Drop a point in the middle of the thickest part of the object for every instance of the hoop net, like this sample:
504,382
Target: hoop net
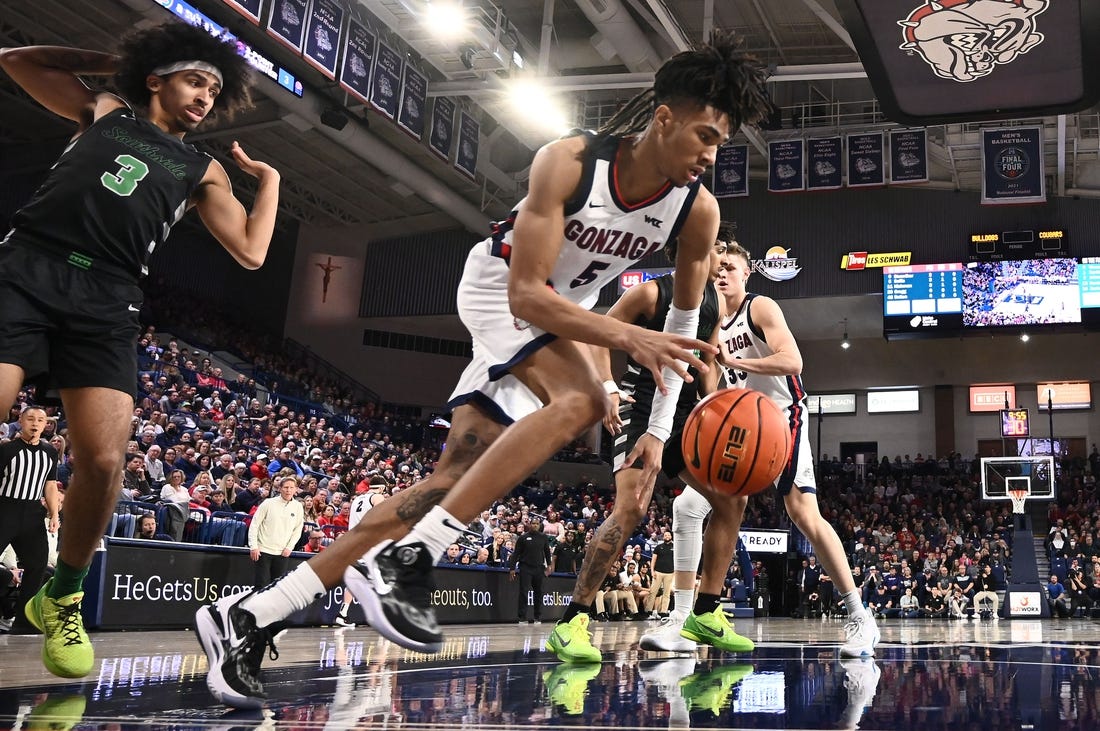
1018,497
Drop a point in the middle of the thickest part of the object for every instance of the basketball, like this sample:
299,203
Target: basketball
736,441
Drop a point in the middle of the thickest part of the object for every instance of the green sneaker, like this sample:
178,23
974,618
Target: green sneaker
58,713
571,642
566,686
714,629
67,651
711,690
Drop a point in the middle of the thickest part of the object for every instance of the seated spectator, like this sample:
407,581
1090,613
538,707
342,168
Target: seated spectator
451,556
909,607
135,486
314,543
1056,598
250,497
218,503
174,491
482,557
147,529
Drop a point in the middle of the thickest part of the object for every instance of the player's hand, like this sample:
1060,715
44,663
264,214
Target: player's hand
54,525
658,350
650,450
611,420
255,168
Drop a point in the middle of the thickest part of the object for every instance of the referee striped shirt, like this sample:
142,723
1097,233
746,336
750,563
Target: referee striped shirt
26,468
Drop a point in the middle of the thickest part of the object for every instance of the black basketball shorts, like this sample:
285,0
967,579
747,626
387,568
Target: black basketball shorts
636,421
67,327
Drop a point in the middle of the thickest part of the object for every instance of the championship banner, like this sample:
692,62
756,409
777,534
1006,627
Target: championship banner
823,163
785,159
909,156
251,9
386,80
287,23
731,172
414,94
1012,166
865,160
443,127
358,61
322,44
468,140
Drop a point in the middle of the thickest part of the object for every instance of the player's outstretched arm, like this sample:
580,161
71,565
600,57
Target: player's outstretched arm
246,236
50,74
638,301
786,360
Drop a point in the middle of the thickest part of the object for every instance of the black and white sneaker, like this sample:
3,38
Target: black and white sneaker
394,584
234,648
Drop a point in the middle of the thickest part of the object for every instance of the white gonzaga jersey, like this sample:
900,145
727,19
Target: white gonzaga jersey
604,234
739,338
360,506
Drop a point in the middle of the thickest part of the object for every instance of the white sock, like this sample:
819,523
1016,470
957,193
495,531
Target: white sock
295,591
436,531
853,602
685,600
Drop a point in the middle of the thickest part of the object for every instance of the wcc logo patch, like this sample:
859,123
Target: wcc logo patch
965,40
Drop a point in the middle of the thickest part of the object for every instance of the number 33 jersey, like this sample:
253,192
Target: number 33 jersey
113,195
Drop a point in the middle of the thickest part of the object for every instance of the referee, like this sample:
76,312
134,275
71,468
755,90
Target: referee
28,472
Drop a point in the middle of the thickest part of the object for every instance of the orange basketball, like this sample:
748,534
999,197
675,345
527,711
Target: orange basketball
736,441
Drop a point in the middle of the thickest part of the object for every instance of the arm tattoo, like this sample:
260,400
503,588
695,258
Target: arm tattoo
601,554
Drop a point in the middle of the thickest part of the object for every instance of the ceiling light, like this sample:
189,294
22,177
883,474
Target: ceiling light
446,19
1025,337
844,342
532,100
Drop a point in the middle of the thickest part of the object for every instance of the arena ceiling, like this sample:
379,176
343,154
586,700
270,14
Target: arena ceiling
596,53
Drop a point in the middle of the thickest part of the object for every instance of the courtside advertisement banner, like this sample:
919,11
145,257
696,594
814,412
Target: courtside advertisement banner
824,157
785,166
731,172
1024,604
358,61
865,160
322,43
443,127
909,156
469,131
251,9
287,23
1012,166
414,100
765,541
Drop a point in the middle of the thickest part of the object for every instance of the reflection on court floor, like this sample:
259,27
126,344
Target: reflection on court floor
929,674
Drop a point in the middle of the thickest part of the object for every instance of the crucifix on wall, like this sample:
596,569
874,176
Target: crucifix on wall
328,268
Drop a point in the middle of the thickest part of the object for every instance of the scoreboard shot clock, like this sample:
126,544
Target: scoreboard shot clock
1015,423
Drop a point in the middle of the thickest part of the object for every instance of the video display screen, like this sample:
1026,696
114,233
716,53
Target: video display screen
1013,293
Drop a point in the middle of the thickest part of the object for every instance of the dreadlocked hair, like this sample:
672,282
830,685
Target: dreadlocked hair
145,50
717,74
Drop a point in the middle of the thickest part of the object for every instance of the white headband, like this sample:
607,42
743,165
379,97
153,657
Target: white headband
171,68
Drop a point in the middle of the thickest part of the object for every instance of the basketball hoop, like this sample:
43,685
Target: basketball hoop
1018,498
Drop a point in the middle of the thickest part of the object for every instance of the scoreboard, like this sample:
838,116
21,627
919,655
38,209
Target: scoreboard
1025,244
922,299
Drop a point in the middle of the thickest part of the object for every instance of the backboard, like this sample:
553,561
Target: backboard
1034,474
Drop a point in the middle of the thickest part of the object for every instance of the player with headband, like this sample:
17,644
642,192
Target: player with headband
71,266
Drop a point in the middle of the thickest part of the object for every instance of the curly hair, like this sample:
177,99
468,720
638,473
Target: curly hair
717,74
145,50
726,236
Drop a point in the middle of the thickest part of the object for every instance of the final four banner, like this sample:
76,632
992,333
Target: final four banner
909,156
785,159
322,44
865,160
1012,166
414,93
443,127
469,132
731,172
824,163
386,80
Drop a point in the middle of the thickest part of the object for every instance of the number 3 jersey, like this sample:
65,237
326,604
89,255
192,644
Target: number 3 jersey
112,196
741,338
603,235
